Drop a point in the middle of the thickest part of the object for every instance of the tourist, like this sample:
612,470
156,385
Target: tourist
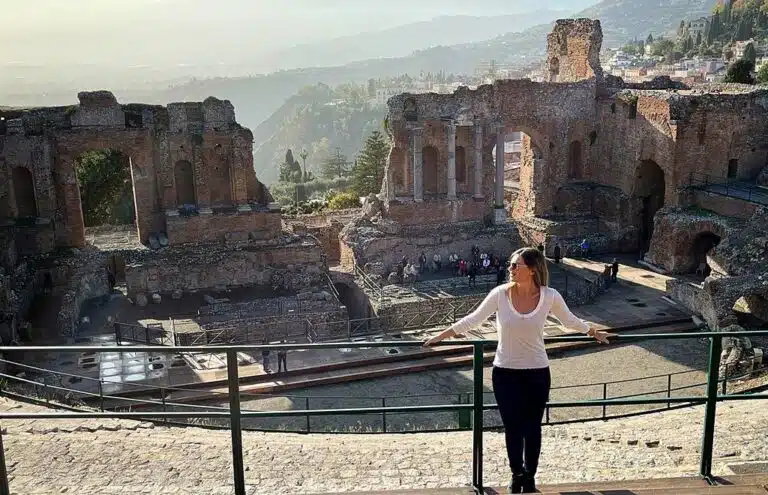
614,270
265,359
558,252
462,267
475,253
584,246
282,359
438,262
472,273
486,264
422,262
521,377
501,274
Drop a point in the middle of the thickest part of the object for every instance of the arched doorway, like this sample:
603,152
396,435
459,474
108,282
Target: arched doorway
701,245
185,183
24,190
649,189
106,188
429,164
575,163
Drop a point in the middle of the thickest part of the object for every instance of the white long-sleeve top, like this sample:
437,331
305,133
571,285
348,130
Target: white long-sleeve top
521,336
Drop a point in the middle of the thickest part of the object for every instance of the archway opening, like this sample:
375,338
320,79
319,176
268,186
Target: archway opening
575,162
106,188
702,244
354,299
733,168
24,190
429,169
184,179
649,189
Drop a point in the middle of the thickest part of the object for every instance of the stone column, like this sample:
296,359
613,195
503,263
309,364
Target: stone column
477,134
499,214
451,135
418,166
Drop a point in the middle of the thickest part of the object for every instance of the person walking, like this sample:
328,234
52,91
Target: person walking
521,377
614,270
558,252
265,359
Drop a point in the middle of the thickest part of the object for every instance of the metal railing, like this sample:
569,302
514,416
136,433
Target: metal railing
731,187
44,386
235,414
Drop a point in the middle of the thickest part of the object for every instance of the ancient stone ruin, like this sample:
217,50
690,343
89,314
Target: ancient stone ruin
625,166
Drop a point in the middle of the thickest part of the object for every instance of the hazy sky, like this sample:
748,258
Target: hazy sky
138,32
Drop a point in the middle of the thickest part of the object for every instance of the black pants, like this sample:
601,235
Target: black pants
282,362
522,395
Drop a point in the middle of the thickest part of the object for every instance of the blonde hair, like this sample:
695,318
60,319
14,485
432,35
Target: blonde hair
535,260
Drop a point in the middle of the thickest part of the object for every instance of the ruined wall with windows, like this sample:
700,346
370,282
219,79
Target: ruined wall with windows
185,159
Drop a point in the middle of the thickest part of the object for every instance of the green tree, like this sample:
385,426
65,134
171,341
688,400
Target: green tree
290,170
681,28
762,74
368,171
335,166
740,72
106,190
649,39
750,53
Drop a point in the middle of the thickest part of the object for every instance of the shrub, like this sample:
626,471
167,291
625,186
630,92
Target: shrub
343,201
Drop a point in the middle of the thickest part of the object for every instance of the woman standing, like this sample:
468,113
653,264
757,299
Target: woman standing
521,378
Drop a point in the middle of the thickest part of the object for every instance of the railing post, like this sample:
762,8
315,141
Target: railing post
384,414
101,396
234,422
605,396
669,390
4,489
477,420
306,407
707,443
725,381
162,399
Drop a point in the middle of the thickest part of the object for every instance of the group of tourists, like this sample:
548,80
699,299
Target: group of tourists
477,263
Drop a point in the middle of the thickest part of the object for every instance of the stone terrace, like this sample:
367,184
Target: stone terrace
121,456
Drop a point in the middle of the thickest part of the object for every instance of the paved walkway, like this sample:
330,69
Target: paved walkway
121,456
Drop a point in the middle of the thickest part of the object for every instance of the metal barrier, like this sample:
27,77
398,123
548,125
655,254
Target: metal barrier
730,187
477,407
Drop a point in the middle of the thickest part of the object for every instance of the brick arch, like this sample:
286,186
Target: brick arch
184,180
24,192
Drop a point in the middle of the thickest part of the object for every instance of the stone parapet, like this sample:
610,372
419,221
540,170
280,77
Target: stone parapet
233,226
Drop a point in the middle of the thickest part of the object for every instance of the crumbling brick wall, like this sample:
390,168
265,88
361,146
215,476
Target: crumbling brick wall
154,139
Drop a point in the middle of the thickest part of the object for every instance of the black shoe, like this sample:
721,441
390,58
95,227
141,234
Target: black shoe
516,485
528,484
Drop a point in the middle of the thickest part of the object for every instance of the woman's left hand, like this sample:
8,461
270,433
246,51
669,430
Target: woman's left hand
602,336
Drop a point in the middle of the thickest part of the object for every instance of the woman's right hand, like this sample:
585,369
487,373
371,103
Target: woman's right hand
432,341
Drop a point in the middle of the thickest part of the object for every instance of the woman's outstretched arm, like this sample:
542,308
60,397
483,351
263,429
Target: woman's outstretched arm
572,322
473,320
